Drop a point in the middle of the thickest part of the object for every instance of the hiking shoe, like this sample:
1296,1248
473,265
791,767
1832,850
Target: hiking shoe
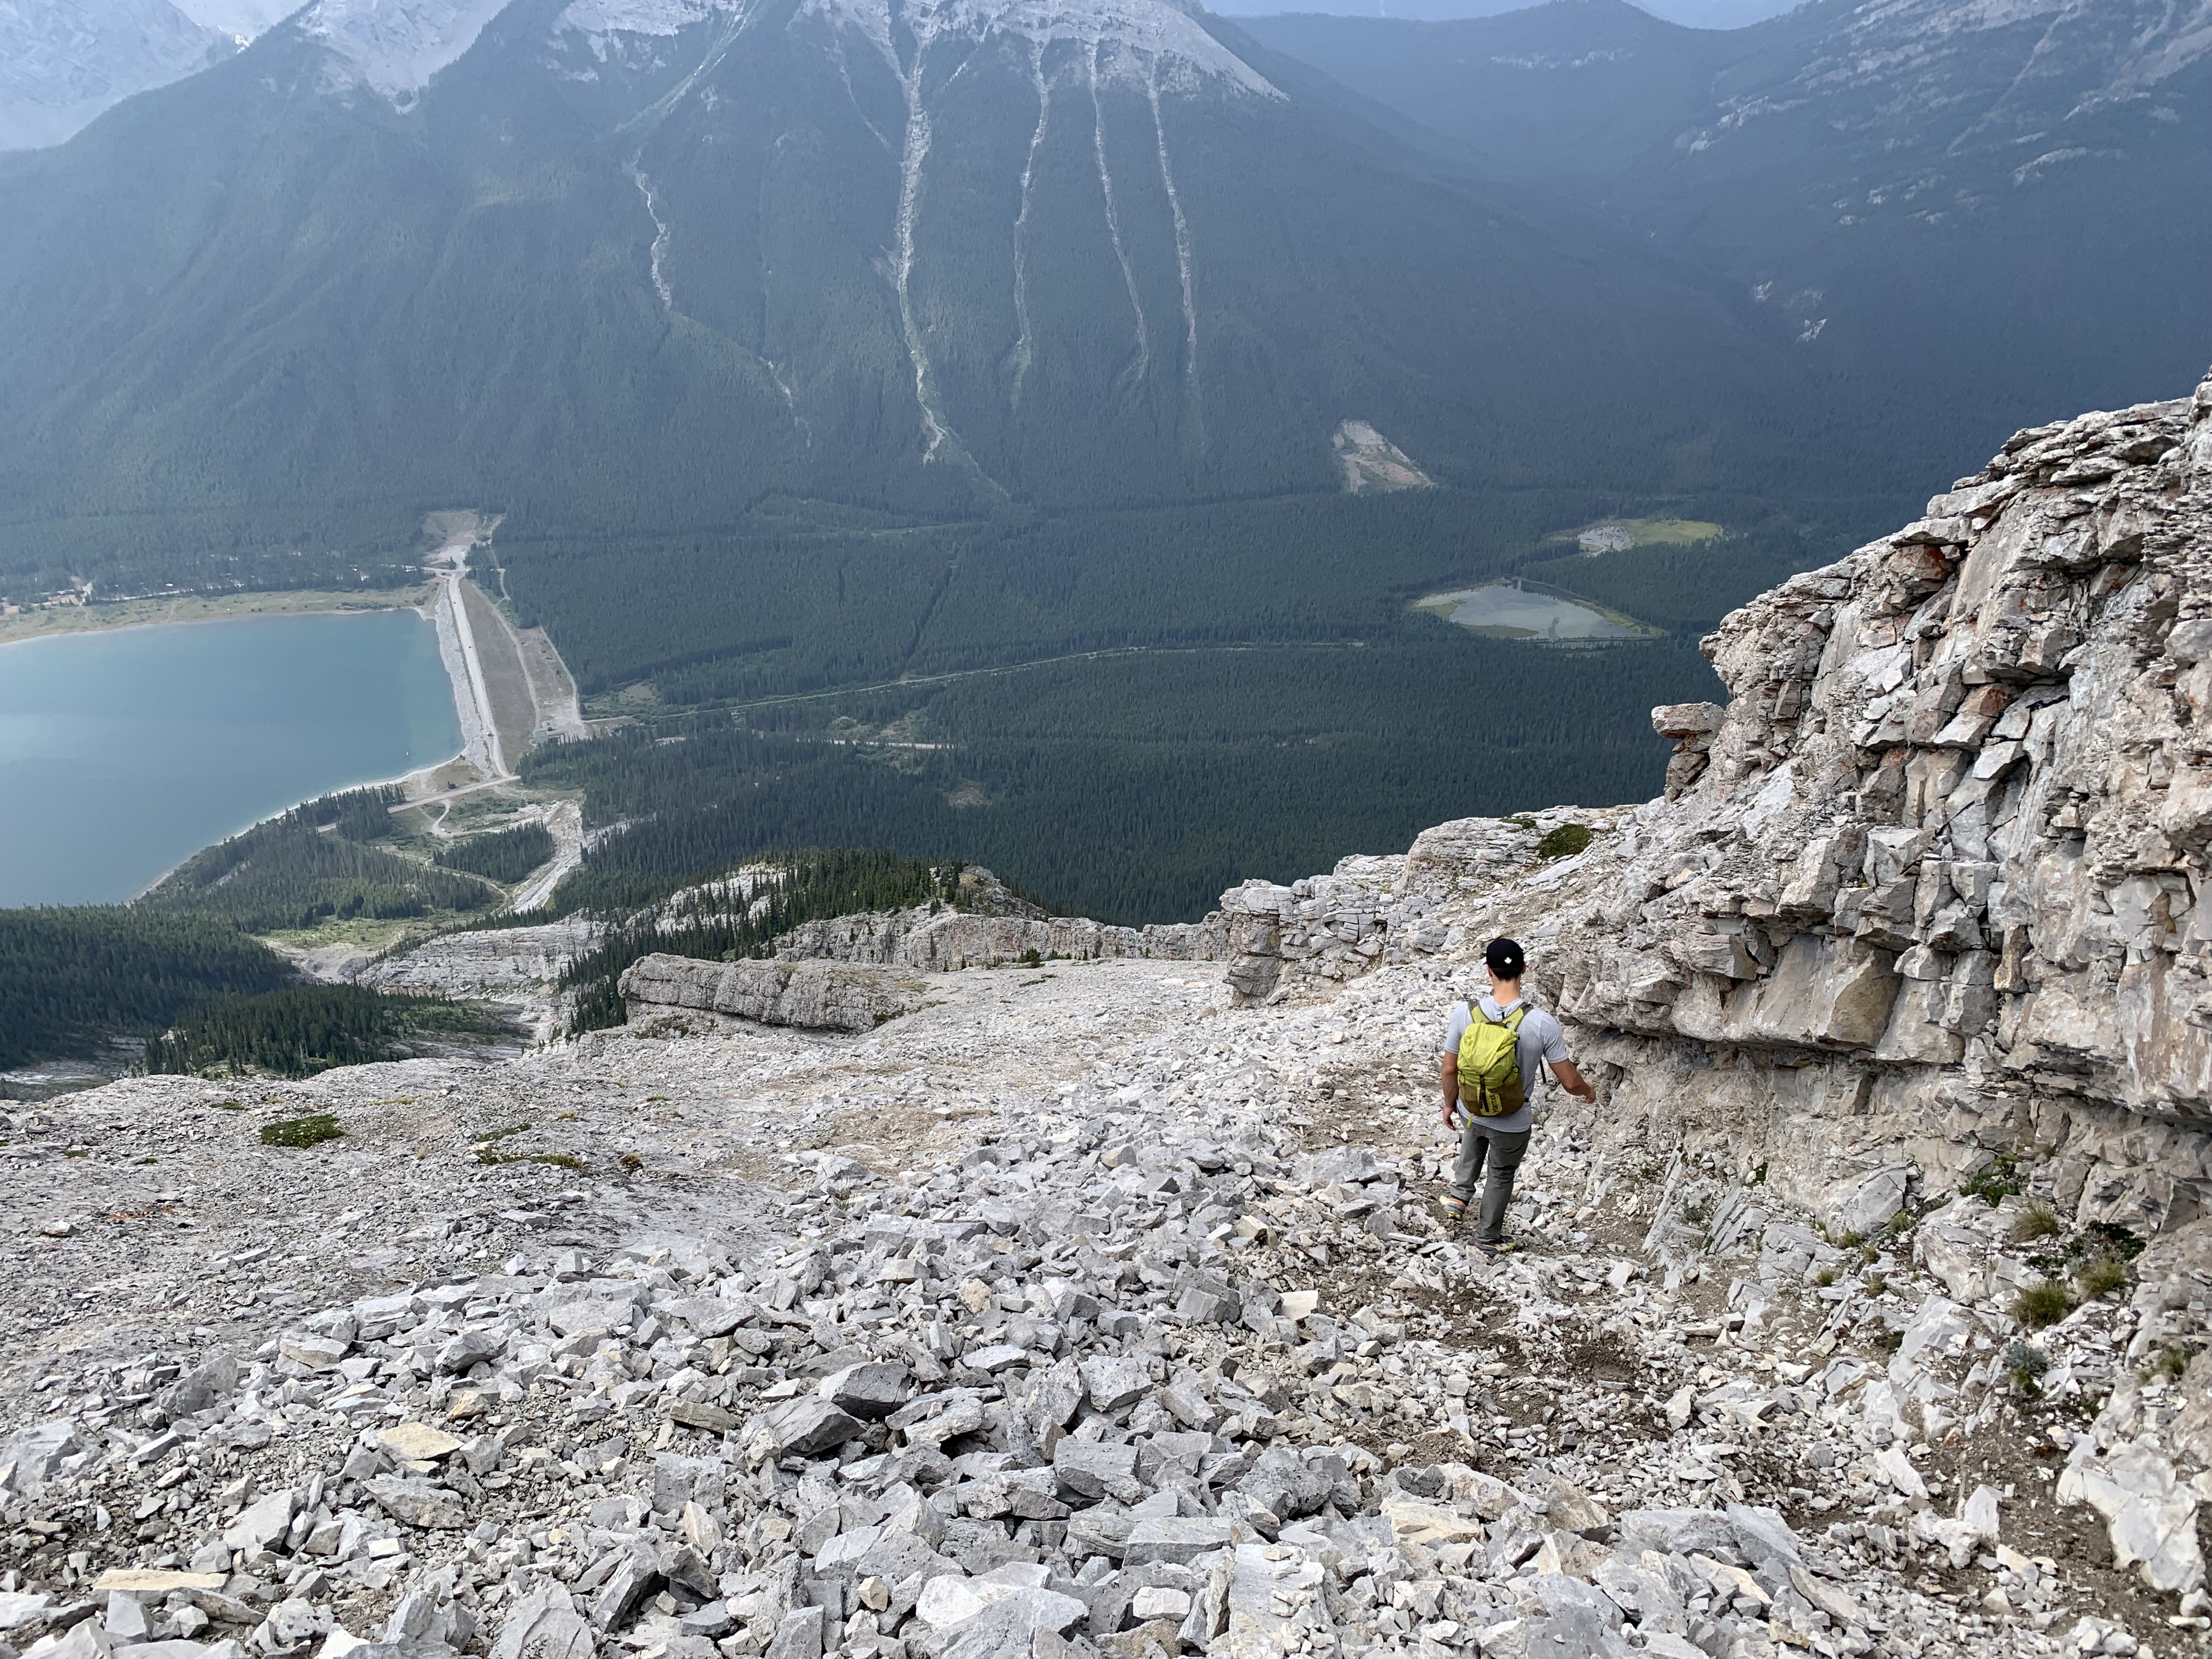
1498,1246
1453,1207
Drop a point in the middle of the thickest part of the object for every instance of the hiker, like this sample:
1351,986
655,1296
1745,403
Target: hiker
1492,1050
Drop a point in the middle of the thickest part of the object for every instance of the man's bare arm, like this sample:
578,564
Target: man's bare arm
1573,1081
1450,1072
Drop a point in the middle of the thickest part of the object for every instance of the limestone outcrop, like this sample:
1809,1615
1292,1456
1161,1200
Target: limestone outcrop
945,941
486,962
1926,891
819,996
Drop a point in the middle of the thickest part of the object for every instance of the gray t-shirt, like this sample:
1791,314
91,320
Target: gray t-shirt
1539,1042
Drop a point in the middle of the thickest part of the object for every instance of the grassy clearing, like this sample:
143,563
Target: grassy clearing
32,624
370,934
301,1132
1615,535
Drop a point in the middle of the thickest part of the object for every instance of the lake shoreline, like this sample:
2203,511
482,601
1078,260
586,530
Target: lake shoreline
426,604
222,732
403,780
204,608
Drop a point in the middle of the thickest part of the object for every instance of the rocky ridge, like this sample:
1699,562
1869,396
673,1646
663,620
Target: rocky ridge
944,941
1920,907
62,63
1097,1306
1926,890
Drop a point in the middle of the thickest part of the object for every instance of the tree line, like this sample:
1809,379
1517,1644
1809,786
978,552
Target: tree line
303,1030
505,856
70,979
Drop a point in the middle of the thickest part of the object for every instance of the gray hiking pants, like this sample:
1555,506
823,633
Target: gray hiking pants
1479,1146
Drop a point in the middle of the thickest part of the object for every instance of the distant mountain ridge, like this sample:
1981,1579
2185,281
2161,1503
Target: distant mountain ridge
1690,14
2005,194
887,333
63,61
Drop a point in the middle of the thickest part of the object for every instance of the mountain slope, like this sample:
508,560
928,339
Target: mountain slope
2004,199
651,264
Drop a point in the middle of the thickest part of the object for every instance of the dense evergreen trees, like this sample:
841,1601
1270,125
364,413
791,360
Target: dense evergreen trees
294,870
784,605
304,1029
504,855
71,979
1134,788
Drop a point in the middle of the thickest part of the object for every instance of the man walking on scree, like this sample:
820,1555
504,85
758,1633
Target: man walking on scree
1505,1043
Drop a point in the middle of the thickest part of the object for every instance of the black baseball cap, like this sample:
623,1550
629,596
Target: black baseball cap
1504,958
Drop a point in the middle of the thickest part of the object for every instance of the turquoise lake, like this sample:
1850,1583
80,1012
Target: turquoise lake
123,752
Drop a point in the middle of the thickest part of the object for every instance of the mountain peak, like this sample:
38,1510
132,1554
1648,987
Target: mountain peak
394,46
1150,35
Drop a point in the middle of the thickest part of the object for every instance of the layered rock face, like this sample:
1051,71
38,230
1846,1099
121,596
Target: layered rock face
944,941
1925,891
488,962
821,996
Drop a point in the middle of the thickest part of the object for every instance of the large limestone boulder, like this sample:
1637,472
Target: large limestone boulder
821,996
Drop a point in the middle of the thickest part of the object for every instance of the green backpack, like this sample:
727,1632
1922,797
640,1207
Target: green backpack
1490,1062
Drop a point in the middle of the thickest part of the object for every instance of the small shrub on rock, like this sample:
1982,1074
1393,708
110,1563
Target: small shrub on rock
2037,1220
2027,1365
2000,1182
2042,1304
1564,842
2100,1276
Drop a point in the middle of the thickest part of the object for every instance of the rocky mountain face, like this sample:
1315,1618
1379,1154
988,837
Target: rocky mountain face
62,62
1102,1308
947,940
1821,160
1926,889
681,994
